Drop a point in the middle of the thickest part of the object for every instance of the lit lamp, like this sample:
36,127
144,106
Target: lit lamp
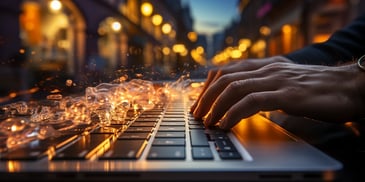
200,50
166,28
265,30
166,51
55,5
178,48
192,36
116,26
243,44
157,19
146,9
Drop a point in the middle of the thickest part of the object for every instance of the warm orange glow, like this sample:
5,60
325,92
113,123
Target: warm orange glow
69,82
166,28
353,127
197,84
184,53
116,26
286,29
265,30
179,48
242,47
320,38
200,50
55,5
33,90
192,36
246,42
12,95
197,55
13,128
236,53
259,48
157,19
30,22
55,91
287,38
256,126
146,9
12,166
166,50
21,51
229,40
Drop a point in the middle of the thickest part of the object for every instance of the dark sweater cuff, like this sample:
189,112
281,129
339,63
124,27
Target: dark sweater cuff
310,55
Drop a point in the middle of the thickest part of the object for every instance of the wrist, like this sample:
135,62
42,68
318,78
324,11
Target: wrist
361,62
360,84
282,59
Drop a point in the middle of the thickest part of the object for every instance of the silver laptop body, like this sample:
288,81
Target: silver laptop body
255,149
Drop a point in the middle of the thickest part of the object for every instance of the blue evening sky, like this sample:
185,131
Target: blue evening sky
211,16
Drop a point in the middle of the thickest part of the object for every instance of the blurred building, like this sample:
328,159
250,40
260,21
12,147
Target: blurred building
66,45
273,27
88,42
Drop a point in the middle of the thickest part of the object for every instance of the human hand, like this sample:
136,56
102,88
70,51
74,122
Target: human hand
320,92
244,65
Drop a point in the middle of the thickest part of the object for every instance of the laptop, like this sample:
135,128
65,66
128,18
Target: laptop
166,143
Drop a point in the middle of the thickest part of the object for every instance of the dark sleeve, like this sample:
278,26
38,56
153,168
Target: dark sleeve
346,44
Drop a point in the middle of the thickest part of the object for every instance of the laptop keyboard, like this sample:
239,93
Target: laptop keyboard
167,132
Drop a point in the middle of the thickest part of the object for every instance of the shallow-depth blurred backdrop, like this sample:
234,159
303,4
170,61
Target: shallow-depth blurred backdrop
66,45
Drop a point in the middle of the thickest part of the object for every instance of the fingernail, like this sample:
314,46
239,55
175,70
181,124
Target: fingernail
192,107
208,119
223,124
196,113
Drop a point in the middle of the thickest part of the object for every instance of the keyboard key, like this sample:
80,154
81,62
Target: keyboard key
134,136
202,127
143,124
180,119
195,122
166,152
224,145
181,115
152,112
141,119
86,147
198,138
173,134
110,130
229,155
39,148
171,128
169,141
215,131
151,116
226,149
125,149
201,153
218,137
139,129
178,123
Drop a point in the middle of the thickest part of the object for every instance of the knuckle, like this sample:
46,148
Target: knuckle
239,85
255,99
291,91
224,79
218,72
274,67
234,86
212,72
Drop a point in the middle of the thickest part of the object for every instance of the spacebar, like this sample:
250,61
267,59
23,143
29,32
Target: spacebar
86,147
